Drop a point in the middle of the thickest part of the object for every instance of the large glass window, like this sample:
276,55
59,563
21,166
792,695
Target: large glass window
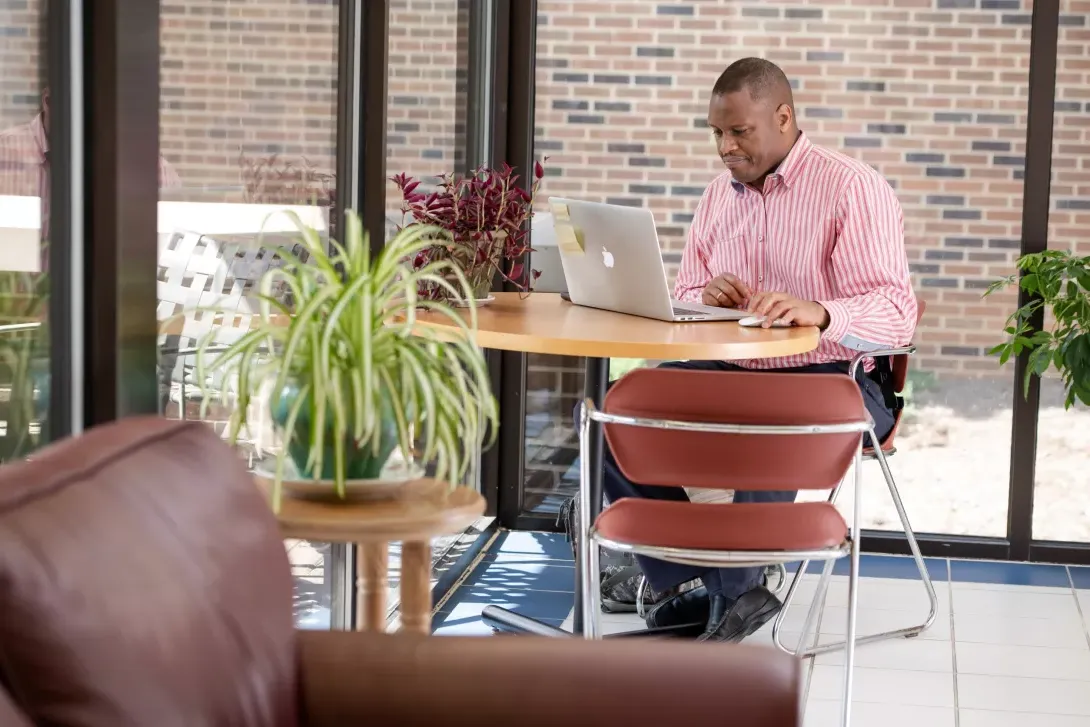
933,99
1061,508
24,229
426,92
248,119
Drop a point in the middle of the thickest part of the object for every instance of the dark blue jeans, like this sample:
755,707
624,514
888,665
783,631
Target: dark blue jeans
731,582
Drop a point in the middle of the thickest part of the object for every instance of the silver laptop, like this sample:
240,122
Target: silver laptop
620,267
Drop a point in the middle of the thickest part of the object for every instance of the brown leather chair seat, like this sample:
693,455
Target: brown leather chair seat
730,527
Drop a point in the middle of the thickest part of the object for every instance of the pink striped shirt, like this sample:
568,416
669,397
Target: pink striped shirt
827,228
24,169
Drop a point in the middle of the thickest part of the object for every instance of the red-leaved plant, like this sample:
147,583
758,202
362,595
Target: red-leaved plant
485,213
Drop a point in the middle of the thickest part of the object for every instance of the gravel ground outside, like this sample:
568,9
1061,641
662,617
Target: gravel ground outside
953,463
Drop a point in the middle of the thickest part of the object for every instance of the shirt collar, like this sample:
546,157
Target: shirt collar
788,169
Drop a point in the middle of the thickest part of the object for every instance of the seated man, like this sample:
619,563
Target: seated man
795,232
24,165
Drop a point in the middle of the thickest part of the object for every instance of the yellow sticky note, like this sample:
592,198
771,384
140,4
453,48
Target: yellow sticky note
561,213
569,239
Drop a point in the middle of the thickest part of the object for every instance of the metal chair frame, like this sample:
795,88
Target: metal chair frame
588,544
874,452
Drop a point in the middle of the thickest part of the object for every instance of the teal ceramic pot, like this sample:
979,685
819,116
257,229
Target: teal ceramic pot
360,463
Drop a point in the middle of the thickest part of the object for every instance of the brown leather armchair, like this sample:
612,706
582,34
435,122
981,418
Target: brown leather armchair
143,583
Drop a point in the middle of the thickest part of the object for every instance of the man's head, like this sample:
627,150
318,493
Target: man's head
752,115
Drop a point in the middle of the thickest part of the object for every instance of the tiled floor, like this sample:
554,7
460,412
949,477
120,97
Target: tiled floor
1010,645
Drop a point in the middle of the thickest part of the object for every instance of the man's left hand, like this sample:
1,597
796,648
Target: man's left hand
781,306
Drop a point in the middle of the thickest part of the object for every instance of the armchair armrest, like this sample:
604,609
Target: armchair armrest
882,352
362,678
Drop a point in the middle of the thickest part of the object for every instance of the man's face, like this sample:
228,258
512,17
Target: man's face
751,136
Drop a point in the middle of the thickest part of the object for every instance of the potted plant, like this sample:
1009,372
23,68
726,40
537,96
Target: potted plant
1059,282
350,378
271,180
485,215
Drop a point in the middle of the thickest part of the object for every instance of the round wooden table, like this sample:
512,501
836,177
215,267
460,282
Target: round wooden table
545,323
424,509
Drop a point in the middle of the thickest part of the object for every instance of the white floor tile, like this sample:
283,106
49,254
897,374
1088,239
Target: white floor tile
618,623
1023,661
885,686
1058,634
763,637
889,594
826,713
909,654
982,718
1016,604
1084,605
1017,694
969,586
834,622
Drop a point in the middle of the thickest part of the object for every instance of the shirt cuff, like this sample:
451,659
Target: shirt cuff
839,320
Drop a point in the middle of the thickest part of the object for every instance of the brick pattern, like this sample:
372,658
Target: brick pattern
426,91
22,64
253,77
1070,214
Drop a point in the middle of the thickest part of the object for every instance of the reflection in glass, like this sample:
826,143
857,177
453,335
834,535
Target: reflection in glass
24,231
621,110
1061,507
426,92
250,130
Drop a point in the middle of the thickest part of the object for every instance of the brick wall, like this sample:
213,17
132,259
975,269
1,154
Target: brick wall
22,69
424,116
246,76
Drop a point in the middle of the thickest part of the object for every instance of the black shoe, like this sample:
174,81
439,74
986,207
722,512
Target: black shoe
690,607
732,622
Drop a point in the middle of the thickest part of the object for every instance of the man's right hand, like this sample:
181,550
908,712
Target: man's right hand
726,291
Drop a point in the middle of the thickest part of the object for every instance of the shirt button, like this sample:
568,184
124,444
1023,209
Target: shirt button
760,279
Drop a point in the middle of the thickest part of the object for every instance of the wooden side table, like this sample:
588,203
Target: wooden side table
424,509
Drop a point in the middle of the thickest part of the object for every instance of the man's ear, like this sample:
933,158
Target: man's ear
784,116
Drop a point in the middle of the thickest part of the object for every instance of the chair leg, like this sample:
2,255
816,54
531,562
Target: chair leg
641,592
909,631
850,639
853,587
913,545
777,625
588,547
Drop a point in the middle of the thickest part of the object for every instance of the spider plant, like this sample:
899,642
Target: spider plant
352,376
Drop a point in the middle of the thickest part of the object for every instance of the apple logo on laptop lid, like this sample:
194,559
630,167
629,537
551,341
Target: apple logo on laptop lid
607,258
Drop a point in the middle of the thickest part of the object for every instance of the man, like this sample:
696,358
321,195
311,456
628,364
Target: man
24,163
795,232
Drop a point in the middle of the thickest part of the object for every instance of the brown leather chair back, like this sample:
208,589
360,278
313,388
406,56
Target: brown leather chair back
143,581
654,456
